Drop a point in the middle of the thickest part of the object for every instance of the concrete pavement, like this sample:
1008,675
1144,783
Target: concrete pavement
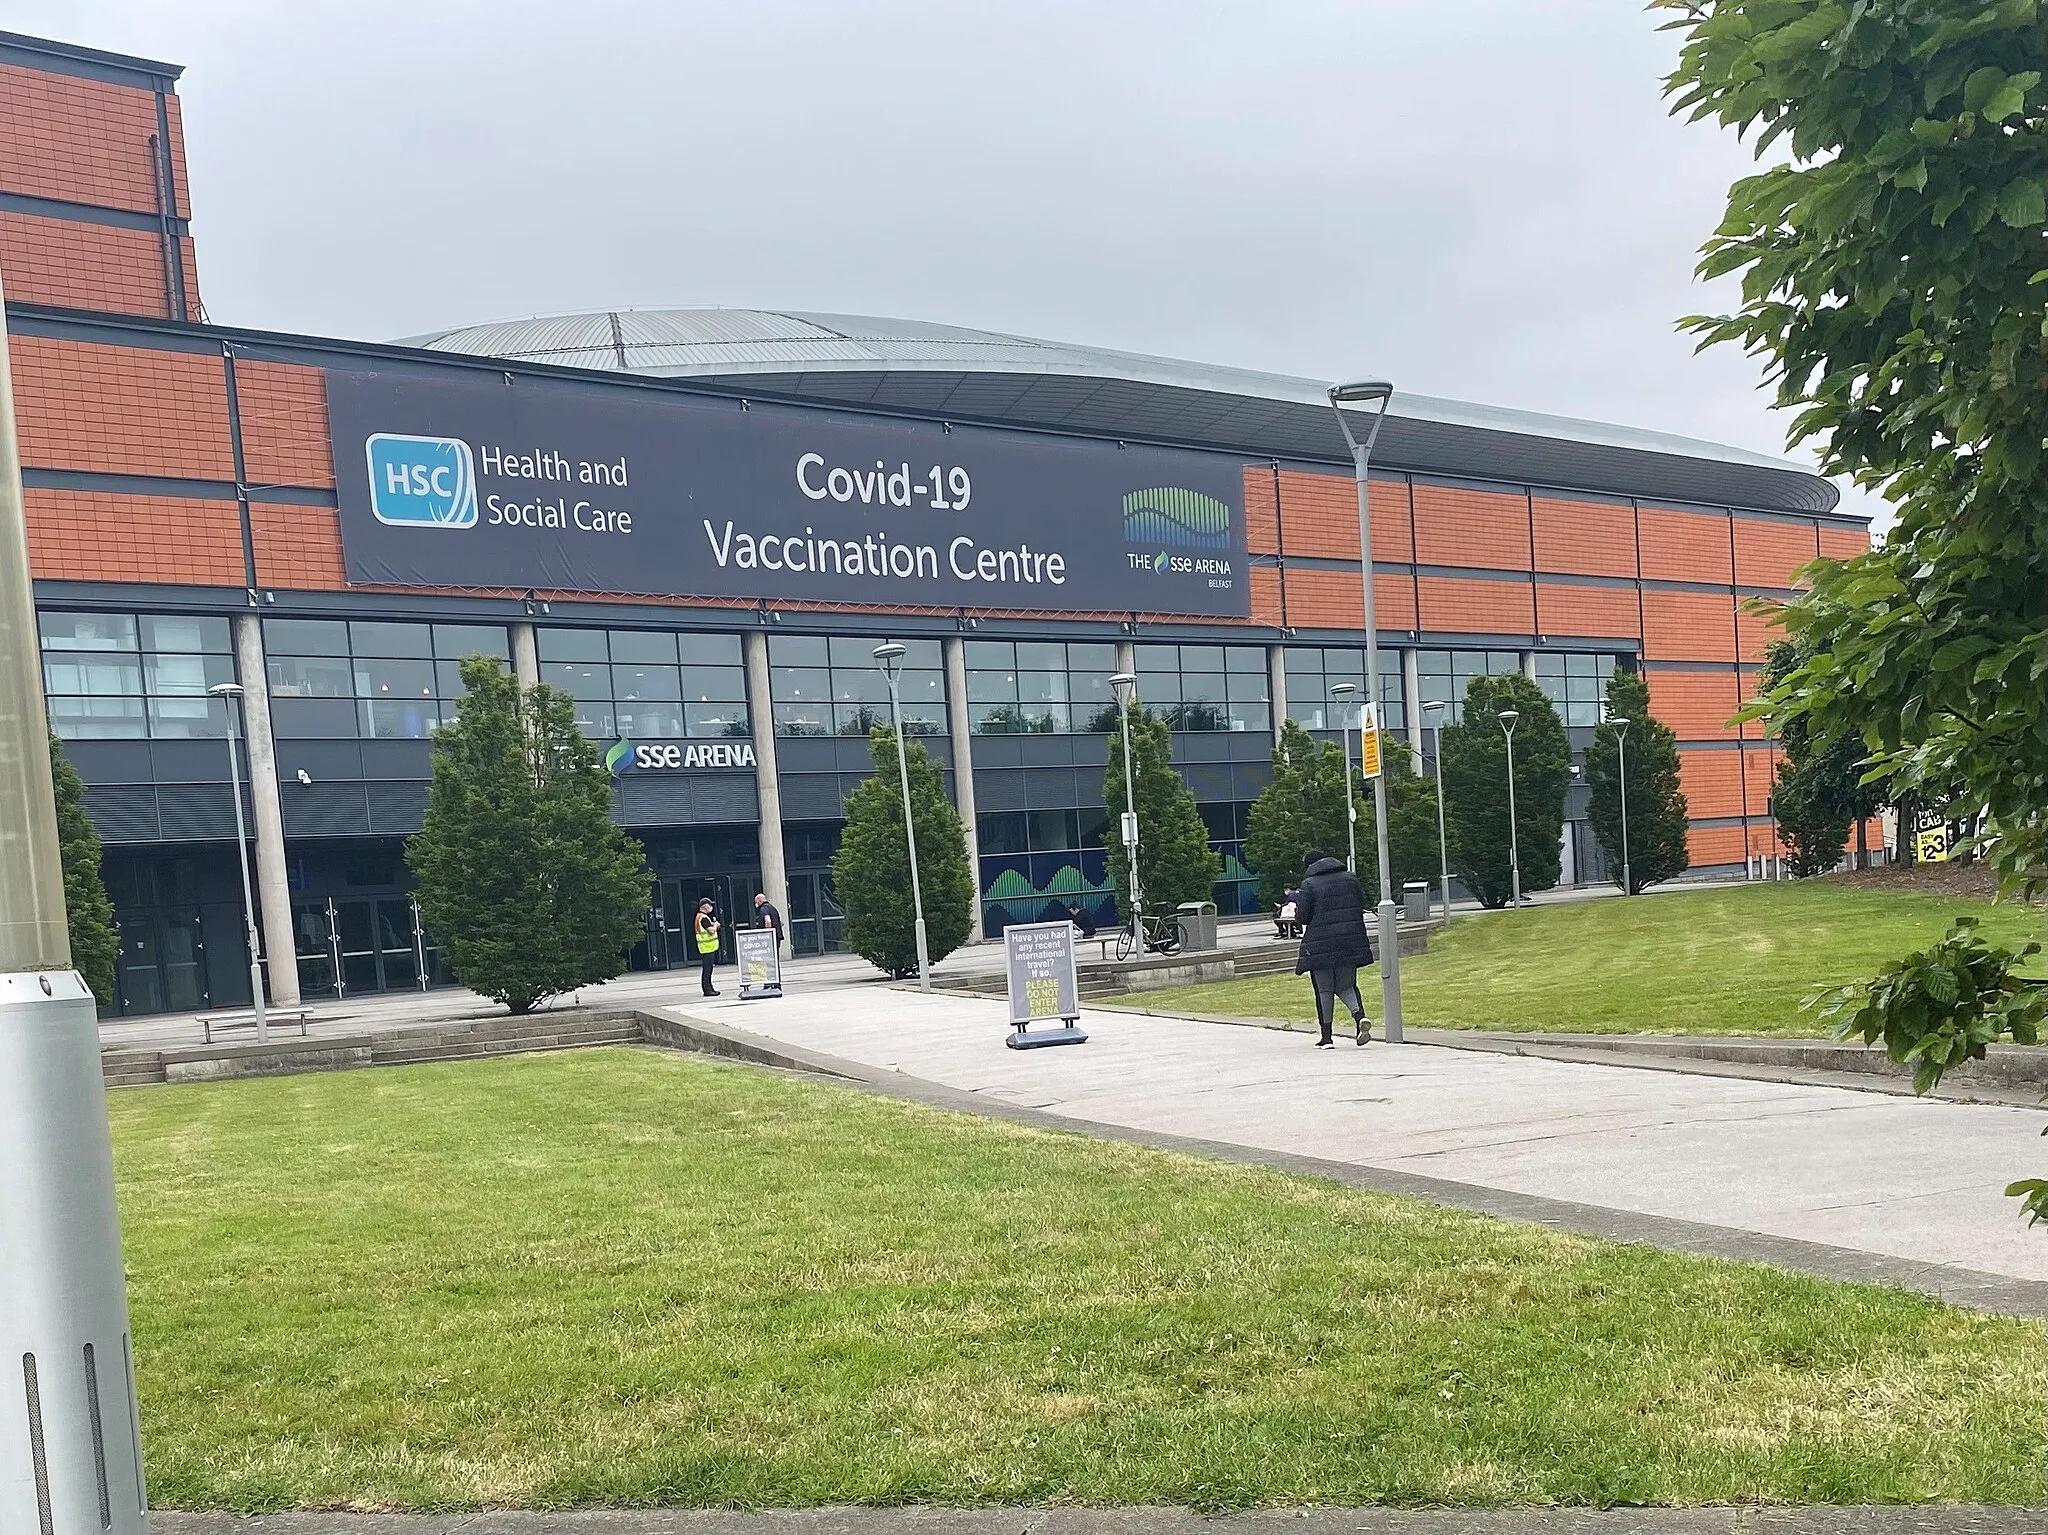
1900,1179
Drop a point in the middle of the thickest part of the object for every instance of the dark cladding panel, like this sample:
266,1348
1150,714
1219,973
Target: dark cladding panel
1001,789
725,799
197,812
810,797
327,810
397,806
123,812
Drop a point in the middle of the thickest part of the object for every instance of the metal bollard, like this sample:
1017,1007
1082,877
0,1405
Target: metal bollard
70,1445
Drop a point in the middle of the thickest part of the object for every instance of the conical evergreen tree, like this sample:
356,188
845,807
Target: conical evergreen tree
871,870
1175,863
523,878
87,910
1656,805
1302,808
1476,788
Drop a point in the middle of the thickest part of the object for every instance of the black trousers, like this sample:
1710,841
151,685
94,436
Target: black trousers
1331,985
708,960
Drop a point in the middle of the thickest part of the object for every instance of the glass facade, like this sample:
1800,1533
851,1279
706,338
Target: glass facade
821,687
386,681
1206,687
648,685
1576,684
1237,887
1047,688
135,676
1442,675
1311,671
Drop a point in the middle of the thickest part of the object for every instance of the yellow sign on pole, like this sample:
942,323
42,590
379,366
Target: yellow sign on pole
1368,743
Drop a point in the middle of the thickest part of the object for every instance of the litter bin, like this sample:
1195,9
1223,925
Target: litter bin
1197,924
1415,901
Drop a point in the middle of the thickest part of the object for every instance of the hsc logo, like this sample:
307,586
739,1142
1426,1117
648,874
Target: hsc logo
421,482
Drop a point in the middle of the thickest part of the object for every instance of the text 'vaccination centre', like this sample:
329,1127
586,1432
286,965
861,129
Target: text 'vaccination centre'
701,522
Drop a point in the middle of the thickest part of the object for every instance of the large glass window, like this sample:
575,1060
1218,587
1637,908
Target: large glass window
648,685
1034,862
1206,687
1443,675
1311,671
1576,684
389,681
135,676
1237,889
822,687
1039,687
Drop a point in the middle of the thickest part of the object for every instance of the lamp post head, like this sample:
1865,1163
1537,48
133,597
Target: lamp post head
1507,718
1123,683
1343,689
1434,705
1357,390
1619,722
889,656
226,690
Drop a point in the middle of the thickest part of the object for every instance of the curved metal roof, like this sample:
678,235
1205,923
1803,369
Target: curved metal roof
933,369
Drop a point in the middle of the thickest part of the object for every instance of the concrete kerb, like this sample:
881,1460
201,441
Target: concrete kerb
2014,1076
1968,1288
1926,1519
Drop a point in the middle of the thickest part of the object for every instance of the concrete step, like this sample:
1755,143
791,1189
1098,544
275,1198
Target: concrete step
433,1053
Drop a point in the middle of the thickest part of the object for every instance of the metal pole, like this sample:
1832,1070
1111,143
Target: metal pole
924,970
1361,466
230,694
1628,885
1130,830
1514,830
1443,841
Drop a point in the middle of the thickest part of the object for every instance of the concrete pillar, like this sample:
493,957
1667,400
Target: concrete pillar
959,728
1126,657
525,655
1411,691
767,785
1529,664
1276,685
273,890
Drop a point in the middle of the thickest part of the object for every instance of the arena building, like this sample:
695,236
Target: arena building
700,522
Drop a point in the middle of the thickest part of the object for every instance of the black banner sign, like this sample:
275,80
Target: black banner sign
480,481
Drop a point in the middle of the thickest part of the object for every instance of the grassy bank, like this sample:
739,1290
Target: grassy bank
620,1277
1737,960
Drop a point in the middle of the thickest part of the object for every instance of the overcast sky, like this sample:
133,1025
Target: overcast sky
1483,199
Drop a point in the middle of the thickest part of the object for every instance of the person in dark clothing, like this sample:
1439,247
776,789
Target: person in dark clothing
1334,944
765,915
706,930
1083,923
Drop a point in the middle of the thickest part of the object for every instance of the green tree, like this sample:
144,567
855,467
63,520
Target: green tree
1301,809
871,870
1892,269
1174,860
1475,759
1648,756
1819,793
1411,822
87,910
523,878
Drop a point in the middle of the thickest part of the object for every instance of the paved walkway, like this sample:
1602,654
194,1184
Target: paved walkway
1923,1520
1896,1178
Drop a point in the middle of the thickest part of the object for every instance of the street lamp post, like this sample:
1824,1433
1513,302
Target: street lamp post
890,658
1342,691
230,695
1366,392
1507,725
1125,685
1628,885
1435,709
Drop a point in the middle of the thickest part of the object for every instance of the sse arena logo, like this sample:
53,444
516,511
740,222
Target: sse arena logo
1181,519
421,482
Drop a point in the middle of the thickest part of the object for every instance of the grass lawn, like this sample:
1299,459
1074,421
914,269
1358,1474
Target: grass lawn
621,1277
1737,960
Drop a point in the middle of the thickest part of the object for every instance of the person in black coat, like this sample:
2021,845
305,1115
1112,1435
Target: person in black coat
1334,944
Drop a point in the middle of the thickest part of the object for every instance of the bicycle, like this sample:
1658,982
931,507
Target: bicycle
1161,935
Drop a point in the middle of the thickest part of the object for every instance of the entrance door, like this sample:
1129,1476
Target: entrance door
817,922
162,964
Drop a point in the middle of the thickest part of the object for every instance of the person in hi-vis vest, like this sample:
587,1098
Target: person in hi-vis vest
706,927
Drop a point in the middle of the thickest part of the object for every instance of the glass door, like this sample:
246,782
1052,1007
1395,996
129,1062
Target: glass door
184,961
356,922
398,960
141,984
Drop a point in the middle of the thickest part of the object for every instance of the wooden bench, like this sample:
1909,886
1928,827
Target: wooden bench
208,1022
